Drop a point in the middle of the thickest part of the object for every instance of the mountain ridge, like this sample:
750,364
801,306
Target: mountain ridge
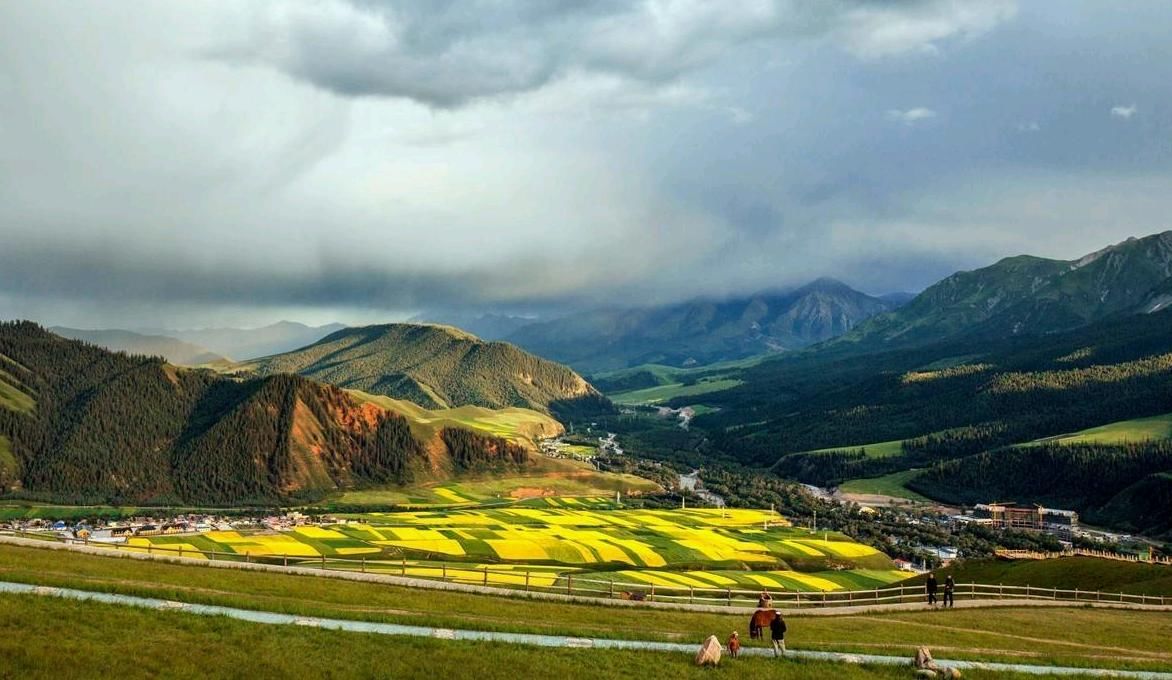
1027,294
434,366
701,331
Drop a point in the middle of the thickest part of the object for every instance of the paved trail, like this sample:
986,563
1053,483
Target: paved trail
532,639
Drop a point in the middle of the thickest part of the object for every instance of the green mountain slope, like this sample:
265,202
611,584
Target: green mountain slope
112,427
701,331
175,351
437,367
1025,295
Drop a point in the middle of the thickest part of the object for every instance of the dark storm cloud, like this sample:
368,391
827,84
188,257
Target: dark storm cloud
446,54
343,157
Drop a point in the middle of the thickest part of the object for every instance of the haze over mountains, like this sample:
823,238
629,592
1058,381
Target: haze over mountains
175,351
249,343
702,331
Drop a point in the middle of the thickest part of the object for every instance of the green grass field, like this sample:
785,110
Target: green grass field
515,424
876,450
661,393
37,630
887,485
672,374
13,398
547,477
53,639
1138,430
1085,573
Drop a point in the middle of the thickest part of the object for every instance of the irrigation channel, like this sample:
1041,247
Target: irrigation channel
517,583
264,617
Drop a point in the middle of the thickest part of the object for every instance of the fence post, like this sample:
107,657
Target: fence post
901,591
247,557
486,574
149,547
212,556
404,565
364,564
1076,593
569,584
181,551
691,595
729,592
612,589
1027,591
527,582
323,562
444,572
286,557
652,598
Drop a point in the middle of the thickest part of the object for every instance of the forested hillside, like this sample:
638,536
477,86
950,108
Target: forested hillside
1027,295
82,424
436,367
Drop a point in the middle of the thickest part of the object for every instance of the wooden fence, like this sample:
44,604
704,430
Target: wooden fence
1081,552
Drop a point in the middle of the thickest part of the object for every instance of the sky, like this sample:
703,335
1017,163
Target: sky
183,164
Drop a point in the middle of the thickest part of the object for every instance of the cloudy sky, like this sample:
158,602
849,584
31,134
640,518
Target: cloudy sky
198,163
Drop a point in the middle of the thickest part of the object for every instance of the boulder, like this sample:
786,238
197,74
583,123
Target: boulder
709,654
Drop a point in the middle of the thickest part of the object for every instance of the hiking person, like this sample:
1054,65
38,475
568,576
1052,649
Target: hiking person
734,645
930,586
949,591
777,632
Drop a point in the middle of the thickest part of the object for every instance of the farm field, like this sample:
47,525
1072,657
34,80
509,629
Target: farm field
1138,430
659,393
1077,637
887,485
695,548
547,478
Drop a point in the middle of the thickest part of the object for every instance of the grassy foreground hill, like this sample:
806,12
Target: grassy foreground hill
80,424
437,367
100,634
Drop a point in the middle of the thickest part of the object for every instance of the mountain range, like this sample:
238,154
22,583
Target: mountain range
80,424
702,331
1026,295
435,367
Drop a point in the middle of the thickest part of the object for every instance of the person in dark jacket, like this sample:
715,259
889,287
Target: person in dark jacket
931,587
777,632
949,591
